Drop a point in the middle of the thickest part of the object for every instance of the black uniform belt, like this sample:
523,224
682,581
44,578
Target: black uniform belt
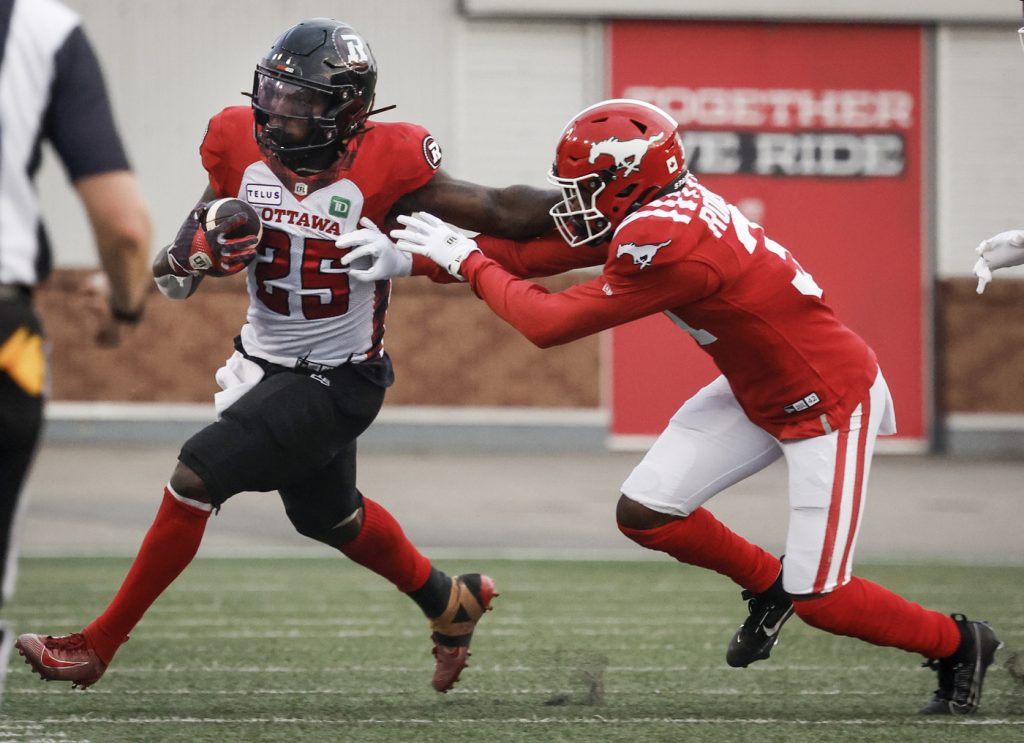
15,291
307,365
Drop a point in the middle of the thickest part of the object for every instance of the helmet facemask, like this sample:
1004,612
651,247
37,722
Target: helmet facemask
577,217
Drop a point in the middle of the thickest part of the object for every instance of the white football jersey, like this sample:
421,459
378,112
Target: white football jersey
302,304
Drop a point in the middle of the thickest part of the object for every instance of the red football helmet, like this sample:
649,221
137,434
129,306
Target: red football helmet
612,158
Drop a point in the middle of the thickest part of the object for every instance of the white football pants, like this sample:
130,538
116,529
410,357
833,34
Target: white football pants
710,444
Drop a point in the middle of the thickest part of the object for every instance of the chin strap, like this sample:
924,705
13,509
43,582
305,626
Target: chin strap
380,110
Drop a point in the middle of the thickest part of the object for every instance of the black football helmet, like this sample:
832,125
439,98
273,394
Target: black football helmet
312,93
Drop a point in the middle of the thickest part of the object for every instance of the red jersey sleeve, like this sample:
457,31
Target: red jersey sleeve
543,256
228,148
393,159
548,319
417,156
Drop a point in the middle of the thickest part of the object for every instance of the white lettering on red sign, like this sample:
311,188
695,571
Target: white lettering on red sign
781,108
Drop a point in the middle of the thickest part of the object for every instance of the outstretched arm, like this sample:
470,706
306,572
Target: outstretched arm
545,318
550,319
514,212
548,255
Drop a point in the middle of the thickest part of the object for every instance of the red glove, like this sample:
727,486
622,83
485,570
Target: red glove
214,251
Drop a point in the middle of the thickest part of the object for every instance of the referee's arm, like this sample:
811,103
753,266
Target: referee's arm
80,124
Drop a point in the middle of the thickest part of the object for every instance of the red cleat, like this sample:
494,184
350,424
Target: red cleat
470,597
68,658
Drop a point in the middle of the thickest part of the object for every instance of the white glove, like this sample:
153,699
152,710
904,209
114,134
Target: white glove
386,261
1002,250
430,237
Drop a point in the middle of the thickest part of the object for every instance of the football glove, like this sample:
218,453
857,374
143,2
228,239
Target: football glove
386,261
1000,251
197,250
428,236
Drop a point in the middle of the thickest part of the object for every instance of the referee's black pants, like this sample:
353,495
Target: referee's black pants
21,417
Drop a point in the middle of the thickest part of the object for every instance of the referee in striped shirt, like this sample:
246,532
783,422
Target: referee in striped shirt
51,88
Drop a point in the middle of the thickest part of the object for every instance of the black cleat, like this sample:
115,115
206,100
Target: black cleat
961,674
757,636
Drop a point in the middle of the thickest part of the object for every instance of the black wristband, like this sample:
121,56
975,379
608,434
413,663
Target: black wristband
129,318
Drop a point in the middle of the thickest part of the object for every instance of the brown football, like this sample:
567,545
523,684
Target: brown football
222,209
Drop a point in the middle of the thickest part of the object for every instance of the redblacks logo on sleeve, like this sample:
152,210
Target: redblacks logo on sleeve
432,151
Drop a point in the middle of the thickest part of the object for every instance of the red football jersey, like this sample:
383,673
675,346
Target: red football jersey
794,367
385,163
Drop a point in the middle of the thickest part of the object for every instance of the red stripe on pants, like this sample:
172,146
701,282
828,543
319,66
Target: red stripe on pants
858,485
833,513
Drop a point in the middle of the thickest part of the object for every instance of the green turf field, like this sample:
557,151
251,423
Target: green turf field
321,650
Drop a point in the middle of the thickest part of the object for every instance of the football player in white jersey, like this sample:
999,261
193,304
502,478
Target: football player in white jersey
310,370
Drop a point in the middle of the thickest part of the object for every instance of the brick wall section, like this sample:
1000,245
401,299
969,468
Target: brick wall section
448,349
981,364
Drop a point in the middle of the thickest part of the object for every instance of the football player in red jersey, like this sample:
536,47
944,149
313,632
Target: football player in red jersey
795,383
310,370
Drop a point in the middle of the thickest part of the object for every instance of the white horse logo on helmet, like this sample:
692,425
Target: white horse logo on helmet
627,152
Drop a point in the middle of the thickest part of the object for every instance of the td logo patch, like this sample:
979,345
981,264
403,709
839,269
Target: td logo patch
339,207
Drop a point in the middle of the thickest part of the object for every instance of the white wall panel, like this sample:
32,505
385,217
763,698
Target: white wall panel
517,85
980,141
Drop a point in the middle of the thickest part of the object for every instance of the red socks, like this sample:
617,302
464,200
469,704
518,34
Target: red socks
869,612
168,547
860,609
173,540
382,547
702,540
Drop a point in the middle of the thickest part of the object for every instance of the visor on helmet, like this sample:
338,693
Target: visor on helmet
279,97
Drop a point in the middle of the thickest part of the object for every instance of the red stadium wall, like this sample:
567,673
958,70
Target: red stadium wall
816,132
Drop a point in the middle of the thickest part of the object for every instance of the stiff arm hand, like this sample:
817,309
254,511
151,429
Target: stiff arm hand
386,260
1000,251
428,236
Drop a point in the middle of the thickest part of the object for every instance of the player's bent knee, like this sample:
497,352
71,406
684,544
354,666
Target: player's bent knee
188,484
329,531
631,515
